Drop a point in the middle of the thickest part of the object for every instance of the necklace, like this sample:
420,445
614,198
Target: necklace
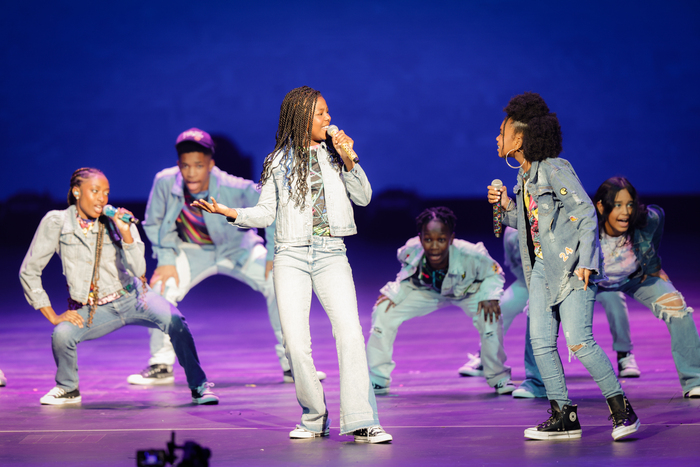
85,224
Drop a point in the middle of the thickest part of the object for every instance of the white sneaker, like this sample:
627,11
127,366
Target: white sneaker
693,393
288,378
58,396
302,433
380,390
204,396
505,386
372,435
3,380
153,375
522,393
473,367
627,367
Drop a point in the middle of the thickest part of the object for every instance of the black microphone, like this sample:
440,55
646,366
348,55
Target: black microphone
497,213
110,211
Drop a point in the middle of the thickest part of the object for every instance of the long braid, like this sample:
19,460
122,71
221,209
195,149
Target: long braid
96,273
294,136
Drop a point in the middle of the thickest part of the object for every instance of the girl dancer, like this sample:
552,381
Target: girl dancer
307,185
102,258
561,258
630,234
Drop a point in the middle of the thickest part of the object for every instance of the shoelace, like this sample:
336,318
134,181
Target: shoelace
472,358
553,417
204,388
57,392
619,418
374,431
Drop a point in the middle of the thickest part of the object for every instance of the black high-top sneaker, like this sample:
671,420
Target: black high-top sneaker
624,420
562,424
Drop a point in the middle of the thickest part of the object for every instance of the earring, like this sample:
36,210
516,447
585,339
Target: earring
76,194
508,163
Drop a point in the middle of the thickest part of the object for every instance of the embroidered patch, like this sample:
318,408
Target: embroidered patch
563,256
568,250
464,274
563,191
573,218
572,416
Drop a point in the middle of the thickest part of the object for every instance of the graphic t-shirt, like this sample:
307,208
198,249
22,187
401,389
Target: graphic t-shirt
427,277
190,223
533,217
619,259
318,198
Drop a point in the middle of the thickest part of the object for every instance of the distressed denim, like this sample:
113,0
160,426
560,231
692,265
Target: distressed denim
156,312
575,313
323,267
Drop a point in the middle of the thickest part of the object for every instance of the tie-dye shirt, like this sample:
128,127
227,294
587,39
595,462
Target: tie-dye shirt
190,223
620,262
533,217
318,198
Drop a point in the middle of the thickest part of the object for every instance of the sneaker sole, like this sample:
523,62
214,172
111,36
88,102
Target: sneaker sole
505,391
534,434
523,394
307,435
385,438
470,373
139,380
621,433
381,392
633,374
53,401
206,401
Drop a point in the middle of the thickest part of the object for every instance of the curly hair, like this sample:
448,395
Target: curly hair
606,194
540,127
77,179
440,213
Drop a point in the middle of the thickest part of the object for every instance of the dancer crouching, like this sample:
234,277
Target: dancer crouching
561,257
307,185
102,259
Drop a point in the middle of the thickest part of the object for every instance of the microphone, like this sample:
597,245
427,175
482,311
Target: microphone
332,130
110,211
497,213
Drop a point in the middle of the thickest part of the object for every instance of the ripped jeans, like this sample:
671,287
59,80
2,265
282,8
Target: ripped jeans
659,296
575,313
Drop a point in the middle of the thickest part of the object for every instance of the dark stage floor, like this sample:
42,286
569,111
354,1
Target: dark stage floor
435,416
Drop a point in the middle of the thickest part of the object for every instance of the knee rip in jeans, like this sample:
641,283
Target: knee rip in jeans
574,348
671,305
376,330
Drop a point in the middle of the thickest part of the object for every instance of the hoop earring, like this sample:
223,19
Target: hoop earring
513,166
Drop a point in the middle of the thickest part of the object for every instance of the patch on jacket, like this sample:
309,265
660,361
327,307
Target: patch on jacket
563,192
568,250
573,218
563,256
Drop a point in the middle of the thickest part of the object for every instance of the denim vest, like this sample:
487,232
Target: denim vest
59,232
165,204
568,227
646,242
471,271
294,226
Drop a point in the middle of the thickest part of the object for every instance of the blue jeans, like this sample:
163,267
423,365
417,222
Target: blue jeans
575,313
615,307
128,309
685,343
323,267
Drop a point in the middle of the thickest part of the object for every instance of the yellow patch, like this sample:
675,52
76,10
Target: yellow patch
563,191
573,218
568,250
563,256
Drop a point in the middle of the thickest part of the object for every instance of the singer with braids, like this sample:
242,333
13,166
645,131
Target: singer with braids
103,259
562,262
307,183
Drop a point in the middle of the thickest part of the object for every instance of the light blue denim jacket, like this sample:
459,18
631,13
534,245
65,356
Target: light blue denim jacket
471,271
646,242
59,232
167,199
294,226
567,222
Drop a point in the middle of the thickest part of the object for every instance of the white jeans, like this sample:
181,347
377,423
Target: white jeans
194,264
323,267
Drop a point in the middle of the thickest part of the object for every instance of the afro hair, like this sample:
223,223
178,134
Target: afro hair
541,132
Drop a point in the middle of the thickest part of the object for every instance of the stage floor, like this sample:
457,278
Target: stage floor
435,416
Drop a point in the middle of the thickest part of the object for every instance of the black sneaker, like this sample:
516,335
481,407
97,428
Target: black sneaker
58,396
624,420
372,435
204,396
153,375
562,424
380,390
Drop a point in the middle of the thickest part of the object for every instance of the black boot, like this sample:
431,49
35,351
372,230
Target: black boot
624,420
562,424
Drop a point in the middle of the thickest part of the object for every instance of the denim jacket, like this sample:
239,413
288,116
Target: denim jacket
471,271
646,242
167,199
59,232
294,226
568,226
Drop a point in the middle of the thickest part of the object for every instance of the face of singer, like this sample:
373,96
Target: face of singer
321,121
436,239
510,141
93,194
618,221
195,168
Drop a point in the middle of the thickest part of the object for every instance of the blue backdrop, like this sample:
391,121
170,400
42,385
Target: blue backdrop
420,86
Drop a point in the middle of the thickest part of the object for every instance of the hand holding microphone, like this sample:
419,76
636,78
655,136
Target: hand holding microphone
332,130
111,211
497,212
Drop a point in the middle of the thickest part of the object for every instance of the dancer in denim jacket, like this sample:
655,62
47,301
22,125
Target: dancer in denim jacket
102,260
307,188
558,237
438,271
630,235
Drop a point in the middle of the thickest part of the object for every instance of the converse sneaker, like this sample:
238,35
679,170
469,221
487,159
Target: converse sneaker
288,378
58,396
203,395
372,435
693,393
505,386
380,390
302,433
153,375
473,367
562,424
624,420
627,367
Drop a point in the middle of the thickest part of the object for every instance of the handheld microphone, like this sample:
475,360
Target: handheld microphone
497,213
332,130
110,211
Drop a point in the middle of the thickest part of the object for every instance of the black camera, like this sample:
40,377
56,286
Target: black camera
193,455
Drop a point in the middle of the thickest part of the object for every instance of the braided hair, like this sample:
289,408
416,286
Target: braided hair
540,127
294,137
77,179
440,213
606,194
